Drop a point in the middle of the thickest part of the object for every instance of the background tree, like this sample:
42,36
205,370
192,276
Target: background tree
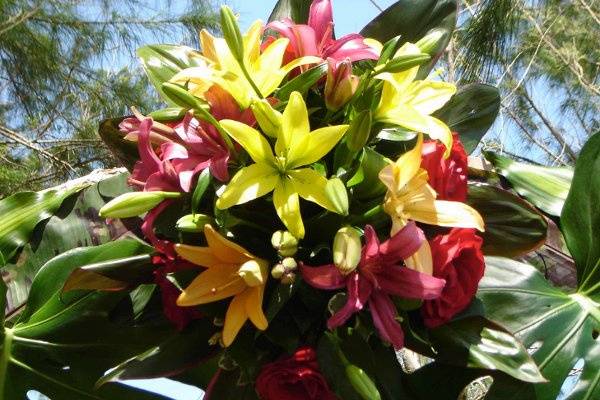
67,64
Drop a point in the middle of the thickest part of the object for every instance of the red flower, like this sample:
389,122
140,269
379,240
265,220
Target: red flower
294,378
448,177
457,258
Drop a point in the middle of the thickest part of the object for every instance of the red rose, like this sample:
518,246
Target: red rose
294,378
457,258
448,177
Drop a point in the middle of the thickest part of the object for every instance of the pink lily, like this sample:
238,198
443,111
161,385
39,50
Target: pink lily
379,275
316,38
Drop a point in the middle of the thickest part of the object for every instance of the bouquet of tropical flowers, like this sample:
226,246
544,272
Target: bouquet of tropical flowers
308,222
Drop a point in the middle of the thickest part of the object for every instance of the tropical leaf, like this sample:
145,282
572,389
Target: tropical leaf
22,212
476,342
512,226
297,10
580,219
62,343
559,329
162,61
75,224
412,20
471,112
545,187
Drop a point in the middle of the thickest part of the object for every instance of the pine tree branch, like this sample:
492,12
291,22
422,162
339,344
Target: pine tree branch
590,11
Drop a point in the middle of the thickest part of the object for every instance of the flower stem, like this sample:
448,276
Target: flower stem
249,79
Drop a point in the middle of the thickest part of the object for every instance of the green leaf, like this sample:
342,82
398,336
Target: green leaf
471,112
412,20
21,212
201,186
303,82
162,61
545,187
476,342
63,343
333,369
75,224
559,329
371,163
297,10
117,274
512,226
580,219
124,150
168,114
169,358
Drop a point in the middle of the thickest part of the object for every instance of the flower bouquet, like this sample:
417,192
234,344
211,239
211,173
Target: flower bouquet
307,227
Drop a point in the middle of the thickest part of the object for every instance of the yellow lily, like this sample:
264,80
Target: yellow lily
296,146
264,69
409,196
409,103
231,272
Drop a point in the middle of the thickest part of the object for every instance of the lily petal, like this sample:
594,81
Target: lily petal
250,139
445,213
225,250
422,260
403,244
235,318
202,256
320,16
295,128
287,206
397,175
310,185
249,183
319,143
408,283
326,277
359,290
254,309
211,285
384,315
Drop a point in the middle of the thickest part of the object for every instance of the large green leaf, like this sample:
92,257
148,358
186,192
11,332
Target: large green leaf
512,226
297,10
471,112
412,20
545,187
580,219
162,61
63,343
560,329
75,224
20,214
476,342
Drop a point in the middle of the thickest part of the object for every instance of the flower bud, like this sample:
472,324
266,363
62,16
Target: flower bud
269,119
289,264
285,243
346,249
193,222
403,62
278,271
215,339
359,131
252,273
232,34
182,97
340,85
336,192
362,383
432,41
135,203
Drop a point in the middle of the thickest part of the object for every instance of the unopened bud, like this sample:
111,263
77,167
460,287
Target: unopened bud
289,264
362,383
431,42
347,249
403,63
268,119
252,273
340,85
278,271
182,97
285,243
193,222
135,203
359,131
215,339
232,34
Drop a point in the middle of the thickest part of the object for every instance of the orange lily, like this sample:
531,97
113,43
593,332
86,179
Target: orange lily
231,272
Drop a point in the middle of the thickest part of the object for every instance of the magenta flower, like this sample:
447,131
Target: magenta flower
379,275
316,38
